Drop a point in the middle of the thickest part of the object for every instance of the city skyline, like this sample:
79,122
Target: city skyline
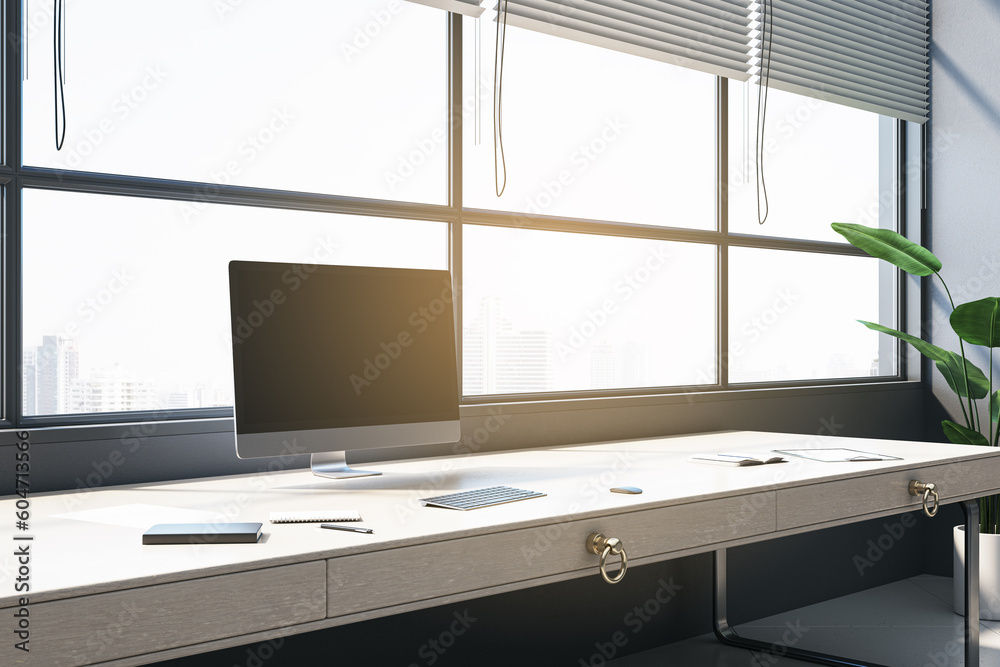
52,384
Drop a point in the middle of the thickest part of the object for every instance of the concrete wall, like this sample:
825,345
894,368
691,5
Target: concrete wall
963,227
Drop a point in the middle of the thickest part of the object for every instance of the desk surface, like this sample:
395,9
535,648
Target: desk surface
106,556
89,542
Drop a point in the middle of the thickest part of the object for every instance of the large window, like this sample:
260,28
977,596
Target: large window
305,96
601,145
590,133
624,256
140,321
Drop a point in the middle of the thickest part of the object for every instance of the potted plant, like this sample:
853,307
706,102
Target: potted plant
976,323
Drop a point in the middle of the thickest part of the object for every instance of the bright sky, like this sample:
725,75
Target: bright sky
310,98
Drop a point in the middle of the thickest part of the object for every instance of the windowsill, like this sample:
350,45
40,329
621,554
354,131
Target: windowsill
188,427
707,396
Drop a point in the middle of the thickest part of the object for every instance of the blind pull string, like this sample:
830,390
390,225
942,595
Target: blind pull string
479,77
59,71
498,100
746,130
763,81
24,47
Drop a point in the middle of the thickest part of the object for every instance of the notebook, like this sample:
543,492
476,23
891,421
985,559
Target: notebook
314,516
202,533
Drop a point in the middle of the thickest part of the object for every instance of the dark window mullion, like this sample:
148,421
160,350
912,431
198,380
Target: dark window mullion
11,262
722,216
454,167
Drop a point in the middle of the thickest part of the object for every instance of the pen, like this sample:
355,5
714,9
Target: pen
351,529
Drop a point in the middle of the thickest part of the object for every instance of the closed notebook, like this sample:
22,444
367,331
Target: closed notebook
202,533
314,516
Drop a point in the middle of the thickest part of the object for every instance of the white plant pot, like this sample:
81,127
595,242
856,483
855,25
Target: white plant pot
989,574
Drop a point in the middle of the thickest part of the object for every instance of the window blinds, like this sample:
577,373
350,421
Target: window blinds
466,7
867,54
708,35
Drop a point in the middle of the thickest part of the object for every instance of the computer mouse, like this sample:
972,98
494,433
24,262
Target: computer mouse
626,489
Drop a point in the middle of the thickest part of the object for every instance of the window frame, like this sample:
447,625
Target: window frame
15,177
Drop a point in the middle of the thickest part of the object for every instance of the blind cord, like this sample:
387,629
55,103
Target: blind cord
479,77
498,101
27,38
763,82
59,74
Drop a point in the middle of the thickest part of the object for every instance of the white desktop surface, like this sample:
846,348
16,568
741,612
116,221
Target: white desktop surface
99,550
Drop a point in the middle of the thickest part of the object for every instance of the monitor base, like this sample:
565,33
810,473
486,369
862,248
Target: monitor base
334,466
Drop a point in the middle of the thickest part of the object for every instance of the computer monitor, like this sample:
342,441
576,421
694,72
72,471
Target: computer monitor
334,358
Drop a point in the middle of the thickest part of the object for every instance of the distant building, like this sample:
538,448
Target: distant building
602,367
499,360
113,391
621,365
29,383
178,400
47,375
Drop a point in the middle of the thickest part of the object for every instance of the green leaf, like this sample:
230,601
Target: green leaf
960,435
930,351
995,406
949,363
979,385
978,322
890,246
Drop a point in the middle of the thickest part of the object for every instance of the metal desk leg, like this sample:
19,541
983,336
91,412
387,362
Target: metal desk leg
971,509
725,634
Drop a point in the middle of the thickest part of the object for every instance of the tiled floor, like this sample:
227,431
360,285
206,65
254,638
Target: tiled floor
906,624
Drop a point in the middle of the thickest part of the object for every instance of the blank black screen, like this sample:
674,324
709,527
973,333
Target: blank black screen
336,346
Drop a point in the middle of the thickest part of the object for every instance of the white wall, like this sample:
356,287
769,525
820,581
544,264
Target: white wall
963,227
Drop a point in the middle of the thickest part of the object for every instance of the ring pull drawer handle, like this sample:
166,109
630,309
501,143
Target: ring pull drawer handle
597,544
928,491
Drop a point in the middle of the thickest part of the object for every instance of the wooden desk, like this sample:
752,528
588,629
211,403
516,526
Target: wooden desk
98,596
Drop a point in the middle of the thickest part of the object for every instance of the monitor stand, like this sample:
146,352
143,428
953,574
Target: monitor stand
334,465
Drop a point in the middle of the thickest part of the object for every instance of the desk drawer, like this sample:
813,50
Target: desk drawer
96,628
426,571
860,496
